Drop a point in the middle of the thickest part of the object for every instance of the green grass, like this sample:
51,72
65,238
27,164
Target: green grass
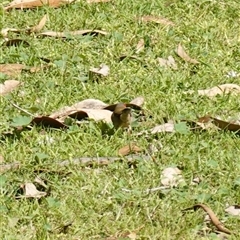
93,197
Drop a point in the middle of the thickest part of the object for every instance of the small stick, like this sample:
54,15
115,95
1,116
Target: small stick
21,109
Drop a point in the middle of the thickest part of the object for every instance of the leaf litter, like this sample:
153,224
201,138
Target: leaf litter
156,19
8,86
182,54
167,63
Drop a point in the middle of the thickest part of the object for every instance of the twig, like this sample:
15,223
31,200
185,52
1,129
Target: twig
21,109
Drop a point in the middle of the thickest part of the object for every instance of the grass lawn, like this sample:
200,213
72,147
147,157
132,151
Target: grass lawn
92,197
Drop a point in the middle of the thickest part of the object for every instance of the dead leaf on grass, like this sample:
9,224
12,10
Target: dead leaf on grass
11,69
169,62
8,86
166,127
220,90
182,54
212,216
1,159
157,19
72,33
140,46
233,210
224,125
131,148
102,70
48,122
4,31
15,42
21,4
7,167
171,177
40,26
30,191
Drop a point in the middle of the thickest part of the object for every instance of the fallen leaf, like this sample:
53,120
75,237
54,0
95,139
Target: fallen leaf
172,177
220,90
4,31
7,167
41,24
212,216
30,191
15,42
182,54
137,101
98,1
103,70
87,103
166,127
157,19
48,122
226,125
126,150
140,46
233,210
169,62
8,86
21,4
95,114
11,69
72,33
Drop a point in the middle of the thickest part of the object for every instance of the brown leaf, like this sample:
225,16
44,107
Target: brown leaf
131,148
224,125
220,89
48,122
16,42
30,191
137,101
11,69
95,114
166,127
102,70
4,31
182,54
140,46
72,33
169,62
157,19
40,25
21,4
8,86
212,216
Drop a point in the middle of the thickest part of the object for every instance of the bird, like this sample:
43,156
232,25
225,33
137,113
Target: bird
121,116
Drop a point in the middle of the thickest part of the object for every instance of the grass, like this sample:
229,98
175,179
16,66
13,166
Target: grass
93,197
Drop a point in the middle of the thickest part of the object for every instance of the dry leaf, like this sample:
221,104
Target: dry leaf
102,70
182,54
220,89
72,33
21,4
98,1
169,62
166,127
30,191
157,19
95,114
4,31
233,210
140,46
8,86
132,148
171,176
226,125
48,122
7,167
137,101
11,69
40,25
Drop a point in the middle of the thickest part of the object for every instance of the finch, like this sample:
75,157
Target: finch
122,116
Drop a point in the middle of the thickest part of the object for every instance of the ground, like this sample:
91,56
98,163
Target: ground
92,197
